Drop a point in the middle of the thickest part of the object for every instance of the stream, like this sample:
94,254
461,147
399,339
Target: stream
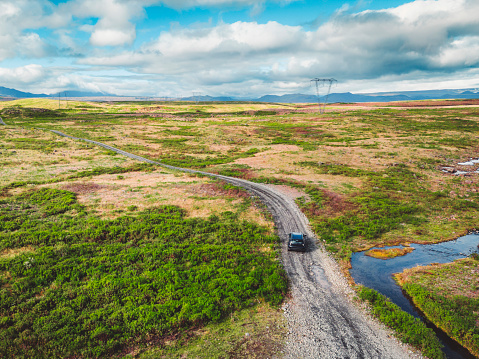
377,274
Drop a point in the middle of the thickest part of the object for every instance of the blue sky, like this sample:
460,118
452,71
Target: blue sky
237,47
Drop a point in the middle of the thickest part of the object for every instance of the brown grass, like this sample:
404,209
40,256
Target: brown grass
13,252
82,188
334,204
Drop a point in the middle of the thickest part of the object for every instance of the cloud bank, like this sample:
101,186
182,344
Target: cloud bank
434,41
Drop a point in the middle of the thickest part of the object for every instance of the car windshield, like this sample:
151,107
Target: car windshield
297,236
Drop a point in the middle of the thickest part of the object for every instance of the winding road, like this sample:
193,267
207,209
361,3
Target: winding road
322,320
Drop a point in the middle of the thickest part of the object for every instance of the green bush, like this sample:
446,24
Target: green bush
93,287
456,316
410,330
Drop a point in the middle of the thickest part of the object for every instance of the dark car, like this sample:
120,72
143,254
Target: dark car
296,242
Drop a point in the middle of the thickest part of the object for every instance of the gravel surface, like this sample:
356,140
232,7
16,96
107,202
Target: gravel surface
322,320
1,122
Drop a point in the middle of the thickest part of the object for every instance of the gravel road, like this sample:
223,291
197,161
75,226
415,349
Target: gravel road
322,320
2,123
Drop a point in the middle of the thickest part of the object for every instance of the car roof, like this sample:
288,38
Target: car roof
296,235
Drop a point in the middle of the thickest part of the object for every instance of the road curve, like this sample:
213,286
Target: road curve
322,320
2,123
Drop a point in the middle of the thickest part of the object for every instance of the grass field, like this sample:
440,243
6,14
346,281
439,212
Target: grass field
363,175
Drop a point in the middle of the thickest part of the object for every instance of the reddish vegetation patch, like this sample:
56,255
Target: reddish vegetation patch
307,131
420,103
284,111
435,103
333,204
220,189
244,173
83,187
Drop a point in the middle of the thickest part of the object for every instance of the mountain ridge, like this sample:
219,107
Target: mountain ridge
345,97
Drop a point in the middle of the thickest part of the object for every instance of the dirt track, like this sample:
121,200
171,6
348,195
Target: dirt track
322,320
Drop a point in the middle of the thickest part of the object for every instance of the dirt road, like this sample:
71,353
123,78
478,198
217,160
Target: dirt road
2,123
322,320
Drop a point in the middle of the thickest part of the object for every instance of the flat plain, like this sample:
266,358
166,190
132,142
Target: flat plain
364,175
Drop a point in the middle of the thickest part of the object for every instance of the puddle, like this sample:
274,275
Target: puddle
377,274
469,163
456,172
320,276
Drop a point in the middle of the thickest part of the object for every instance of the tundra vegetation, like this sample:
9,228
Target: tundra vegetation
409,329
448,294
367,176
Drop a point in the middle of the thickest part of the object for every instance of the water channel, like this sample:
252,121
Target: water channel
377,274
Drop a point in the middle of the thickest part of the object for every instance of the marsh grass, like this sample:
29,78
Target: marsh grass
409,329
448,294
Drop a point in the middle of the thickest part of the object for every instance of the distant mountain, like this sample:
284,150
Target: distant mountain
6,92
290,98
208,98
348,97
12,93
81,94
334,97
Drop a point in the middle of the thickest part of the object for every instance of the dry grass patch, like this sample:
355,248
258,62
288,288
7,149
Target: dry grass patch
110,196
13,252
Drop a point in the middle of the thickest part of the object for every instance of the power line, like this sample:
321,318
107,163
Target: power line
323,83
196,97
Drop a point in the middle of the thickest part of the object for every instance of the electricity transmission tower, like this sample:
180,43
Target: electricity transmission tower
196,96
322,82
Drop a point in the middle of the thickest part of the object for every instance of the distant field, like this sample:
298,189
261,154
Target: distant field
363,175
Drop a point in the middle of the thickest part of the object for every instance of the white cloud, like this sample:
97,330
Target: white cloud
23,75
364,45
236,38
185,4
422,39
113,37
15,18
115,26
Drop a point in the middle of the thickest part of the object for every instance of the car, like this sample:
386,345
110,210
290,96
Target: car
296,242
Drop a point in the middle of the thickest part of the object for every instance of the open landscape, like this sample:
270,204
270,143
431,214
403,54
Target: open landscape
275,179
104,255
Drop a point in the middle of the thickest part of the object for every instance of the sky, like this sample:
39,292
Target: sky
240,48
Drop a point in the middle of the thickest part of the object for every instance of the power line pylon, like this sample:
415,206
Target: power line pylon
196,96
323,83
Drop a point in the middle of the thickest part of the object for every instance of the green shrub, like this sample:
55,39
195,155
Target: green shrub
456,316
93,288
410,330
